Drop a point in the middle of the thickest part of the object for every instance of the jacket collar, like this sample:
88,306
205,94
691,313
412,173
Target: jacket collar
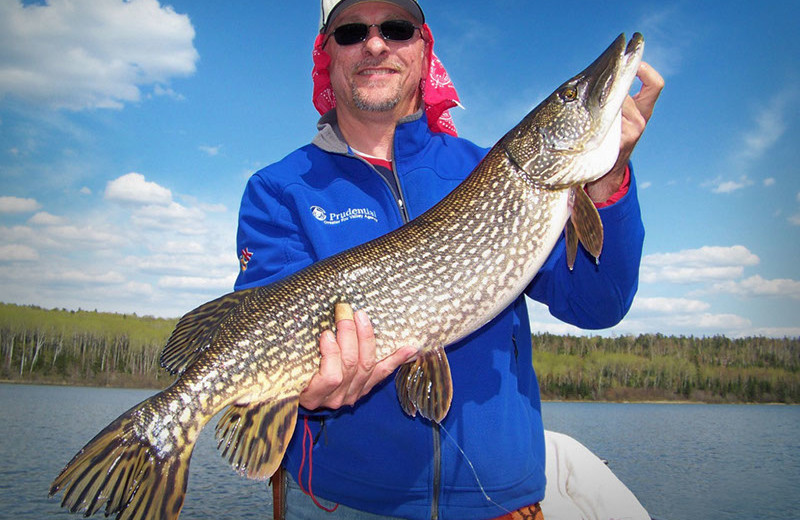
411,135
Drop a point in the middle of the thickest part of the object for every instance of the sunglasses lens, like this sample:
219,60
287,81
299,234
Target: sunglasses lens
350,33
394,30
397,30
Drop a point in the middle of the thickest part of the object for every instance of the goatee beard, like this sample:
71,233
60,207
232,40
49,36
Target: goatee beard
383,105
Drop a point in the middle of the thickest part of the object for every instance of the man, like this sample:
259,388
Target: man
386,151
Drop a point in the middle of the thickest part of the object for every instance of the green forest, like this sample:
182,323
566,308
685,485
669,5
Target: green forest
103,349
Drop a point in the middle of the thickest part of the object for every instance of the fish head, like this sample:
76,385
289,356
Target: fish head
573,136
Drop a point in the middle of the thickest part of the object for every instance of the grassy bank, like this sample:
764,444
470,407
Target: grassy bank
103,349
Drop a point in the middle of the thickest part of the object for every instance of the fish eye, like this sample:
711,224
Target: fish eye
569,94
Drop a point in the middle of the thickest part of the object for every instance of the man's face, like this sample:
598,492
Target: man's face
377,75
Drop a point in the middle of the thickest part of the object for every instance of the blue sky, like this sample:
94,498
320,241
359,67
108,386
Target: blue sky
128,131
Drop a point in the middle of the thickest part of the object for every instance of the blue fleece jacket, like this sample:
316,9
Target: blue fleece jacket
322,199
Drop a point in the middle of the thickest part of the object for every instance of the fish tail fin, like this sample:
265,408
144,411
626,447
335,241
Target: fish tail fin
123,474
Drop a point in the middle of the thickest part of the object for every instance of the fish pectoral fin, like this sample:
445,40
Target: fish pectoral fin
586,221
254,437
571,239
196,330
425,385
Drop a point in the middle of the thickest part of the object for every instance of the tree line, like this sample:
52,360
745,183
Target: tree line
94,348
659,367
82,347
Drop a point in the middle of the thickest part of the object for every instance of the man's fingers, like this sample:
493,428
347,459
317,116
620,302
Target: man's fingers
348,368
328,378
386,366
652,84
366,341
364,338
347,338
330,365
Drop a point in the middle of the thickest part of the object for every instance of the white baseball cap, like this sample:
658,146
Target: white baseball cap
332,8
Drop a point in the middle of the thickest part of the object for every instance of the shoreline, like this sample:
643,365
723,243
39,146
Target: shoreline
87,384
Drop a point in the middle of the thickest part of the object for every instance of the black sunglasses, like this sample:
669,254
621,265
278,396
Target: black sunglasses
391,30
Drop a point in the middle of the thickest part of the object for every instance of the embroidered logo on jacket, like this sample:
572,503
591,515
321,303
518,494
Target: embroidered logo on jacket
332,218
245,258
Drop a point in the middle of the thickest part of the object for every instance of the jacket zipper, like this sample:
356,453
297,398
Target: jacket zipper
399,198
401,203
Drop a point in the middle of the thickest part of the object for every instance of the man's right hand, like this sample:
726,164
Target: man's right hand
349,369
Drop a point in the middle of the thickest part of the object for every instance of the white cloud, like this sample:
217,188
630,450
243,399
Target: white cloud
79,54
44,218
677,316
62,236
132,187
18,205
669,33
708,263
210,150
185,262
795,219
720,185
73,277
159,90
173,217
198,283
17,253
709,322
138,288
72,237
765,129
758,286
675,274
732,255
86,191
773,332
660,305
769,125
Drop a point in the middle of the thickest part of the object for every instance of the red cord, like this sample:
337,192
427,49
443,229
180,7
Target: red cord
310,492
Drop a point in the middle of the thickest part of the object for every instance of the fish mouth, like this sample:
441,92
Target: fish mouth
608,81
610,76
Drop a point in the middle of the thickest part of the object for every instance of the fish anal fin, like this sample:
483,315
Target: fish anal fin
254,437
195,331
425,385
586,220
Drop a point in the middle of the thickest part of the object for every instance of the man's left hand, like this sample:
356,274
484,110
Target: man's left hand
636,112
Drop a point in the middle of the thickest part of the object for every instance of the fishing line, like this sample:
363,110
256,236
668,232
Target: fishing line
472,468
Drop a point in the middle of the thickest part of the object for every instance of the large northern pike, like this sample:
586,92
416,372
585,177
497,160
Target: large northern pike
427,284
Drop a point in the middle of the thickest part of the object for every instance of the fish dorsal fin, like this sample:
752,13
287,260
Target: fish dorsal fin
586,222
425,385
254,437
195,331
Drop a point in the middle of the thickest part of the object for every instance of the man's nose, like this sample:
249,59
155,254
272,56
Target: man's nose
375,44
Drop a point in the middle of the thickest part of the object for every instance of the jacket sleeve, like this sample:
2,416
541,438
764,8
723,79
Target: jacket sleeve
596,295
269,241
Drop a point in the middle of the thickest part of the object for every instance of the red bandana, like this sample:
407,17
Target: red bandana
438,93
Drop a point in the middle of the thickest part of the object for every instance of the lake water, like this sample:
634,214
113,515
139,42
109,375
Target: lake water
683,462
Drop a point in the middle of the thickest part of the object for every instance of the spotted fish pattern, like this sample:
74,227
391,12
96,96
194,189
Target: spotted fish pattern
250,354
